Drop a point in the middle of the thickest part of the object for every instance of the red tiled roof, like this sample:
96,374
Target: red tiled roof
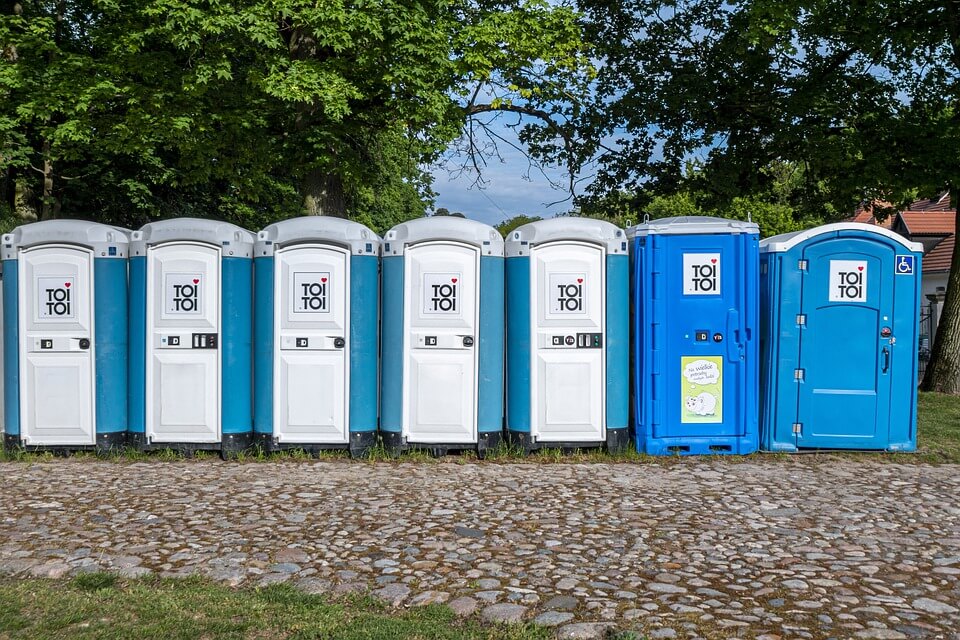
864,214
924,223
940,202
940,257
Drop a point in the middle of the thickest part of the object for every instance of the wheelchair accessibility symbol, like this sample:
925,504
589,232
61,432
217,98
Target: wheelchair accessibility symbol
905,265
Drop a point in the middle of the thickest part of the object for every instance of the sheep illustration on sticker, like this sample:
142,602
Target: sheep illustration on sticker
701,389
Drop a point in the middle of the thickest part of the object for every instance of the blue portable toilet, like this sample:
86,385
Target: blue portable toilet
316,318
65,335
839,329
567,291
695,305
442,336
191,302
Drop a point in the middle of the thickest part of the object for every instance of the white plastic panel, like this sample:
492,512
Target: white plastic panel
311,352
569,337
441,307
183,343
56,345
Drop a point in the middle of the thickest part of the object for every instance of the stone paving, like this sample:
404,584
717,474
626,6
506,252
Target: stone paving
766,548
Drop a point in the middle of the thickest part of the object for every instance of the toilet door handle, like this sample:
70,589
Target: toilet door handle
886,359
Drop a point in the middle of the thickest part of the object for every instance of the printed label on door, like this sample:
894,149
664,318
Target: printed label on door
311,292
566,293
441,293
848,281
701,274
181,293
701,395
55,297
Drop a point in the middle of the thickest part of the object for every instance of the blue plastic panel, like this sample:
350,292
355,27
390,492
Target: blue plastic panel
263,318
11,347
364,318
236,313
518,344
490,354
137,321
618,341
391,350
110,340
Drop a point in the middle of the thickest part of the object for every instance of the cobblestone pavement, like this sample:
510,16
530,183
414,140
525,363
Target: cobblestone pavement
768,548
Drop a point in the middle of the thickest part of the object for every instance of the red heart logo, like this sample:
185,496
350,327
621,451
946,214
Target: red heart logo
453,280
323,279
67,284
713,260
859,268
196,280
579,280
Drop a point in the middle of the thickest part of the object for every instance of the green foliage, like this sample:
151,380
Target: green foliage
509,225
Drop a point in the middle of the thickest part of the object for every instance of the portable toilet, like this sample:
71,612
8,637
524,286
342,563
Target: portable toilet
567,291
316,318
442,336
190,333
839,327
695,304
65,335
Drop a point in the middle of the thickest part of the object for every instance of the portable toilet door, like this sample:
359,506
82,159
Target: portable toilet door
567,334
316,326
840,332
65,338
190,327
695,296
442,335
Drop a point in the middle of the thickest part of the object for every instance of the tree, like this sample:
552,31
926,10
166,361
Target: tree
507,226
862,96
256,109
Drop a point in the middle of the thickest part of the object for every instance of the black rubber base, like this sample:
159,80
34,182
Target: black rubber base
618,440
109,443
359,446
488,441
230,446
11,442
106,443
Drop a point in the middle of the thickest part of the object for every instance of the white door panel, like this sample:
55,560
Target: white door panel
441,303
183,343
569,338
311,353
56,340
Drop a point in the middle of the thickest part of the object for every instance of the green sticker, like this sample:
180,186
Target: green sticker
701,389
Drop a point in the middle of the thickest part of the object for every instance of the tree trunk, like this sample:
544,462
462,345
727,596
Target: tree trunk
47,201
943,370
323,195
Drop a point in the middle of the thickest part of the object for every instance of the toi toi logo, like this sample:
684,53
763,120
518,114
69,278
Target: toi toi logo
310,292
701,274
55,297
441,292
848,281
568,289
183,293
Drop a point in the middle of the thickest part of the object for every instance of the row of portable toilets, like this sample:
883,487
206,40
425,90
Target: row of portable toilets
316,333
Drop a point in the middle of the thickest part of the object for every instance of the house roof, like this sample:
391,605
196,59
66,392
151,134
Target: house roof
865,214
940,202
939,258
929,223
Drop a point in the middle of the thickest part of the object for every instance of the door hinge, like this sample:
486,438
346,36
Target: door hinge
797,428
798,375
802,265
801,319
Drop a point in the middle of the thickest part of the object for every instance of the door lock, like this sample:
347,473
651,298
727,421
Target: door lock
84,343
468,341
886,332
339,343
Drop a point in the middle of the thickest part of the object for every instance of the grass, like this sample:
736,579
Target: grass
103,606
938,419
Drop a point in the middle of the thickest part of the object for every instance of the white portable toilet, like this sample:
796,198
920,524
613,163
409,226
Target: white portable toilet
191,303
316,320
65,335
442,336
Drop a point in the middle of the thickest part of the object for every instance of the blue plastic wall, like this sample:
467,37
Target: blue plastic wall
665,326
518,343
618,341
236,311
137,322
391,351
263,317
11,347
110,343
829,350
490,354
364,318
